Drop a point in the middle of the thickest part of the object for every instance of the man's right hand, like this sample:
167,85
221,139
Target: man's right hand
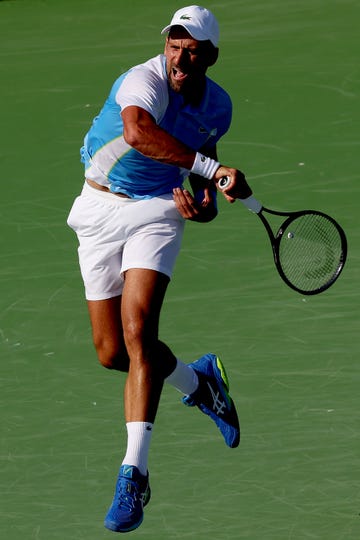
238,187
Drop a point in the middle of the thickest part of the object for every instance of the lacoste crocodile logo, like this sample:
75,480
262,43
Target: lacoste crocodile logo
185,17
211,133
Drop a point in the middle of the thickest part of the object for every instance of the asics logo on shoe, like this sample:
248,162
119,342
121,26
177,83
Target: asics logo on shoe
219,406
144,497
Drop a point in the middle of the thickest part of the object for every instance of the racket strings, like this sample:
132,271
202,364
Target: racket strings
310,251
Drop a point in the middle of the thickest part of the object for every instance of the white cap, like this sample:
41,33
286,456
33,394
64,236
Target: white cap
198,21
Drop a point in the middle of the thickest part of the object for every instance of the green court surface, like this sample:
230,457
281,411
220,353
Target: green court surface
292,69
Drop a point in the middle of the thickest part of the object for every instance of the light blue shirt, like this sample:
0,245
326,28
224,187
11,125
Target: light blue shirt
111,162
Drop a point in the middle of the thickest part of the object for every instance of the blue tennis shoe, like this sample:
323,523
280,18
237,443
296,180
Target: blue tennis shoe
212,397
132,493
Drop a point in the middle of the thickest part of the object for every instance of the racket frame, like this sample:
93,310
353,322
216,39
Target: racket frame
275,240
256,207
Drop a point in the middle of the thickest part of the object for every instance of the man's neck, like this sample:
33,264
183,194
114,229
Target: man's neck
194,94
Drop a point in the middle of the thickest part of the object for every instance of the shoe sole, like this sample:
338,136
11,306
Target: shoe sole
112,526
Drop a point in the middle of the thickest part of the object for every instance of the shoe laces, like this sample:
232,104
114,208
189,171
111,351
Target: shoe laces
128,493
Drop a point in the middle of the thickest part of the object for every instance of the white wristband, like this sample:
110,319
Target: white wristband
204,166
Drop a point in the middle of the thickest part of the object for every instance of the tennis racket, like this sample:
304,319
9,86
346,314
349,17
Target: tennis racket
309,247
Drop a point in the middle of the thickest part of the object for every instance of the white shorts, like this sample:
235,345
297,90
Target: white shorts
116,234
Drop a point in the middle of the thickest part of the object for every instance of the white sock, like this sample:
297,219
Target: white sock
183,378
138,444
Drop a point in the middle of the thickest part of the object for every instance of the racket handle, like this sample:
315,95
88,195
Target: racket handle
250,202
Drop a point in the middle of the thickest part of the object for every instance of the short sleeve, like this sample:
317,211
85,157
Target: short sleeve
144,88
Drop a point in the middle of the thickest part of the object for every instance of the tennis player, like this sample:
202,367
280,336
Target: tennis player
159,125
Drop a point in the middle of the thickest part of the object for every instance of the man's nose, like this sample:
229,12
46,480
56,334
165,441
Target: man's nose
181,57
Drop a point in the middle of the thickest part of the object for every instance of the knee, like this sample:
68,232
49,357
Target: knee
140,340
134,334
111,356
145,348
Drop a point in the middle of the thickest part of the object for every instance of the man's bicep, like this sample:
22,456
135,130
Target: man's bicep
133,114
138,126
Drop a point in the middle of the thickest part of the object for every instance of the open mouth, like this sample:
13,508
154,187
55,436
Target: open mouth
178,75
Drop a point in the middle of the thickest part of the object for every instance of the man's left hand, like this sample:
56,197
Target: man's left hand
189,208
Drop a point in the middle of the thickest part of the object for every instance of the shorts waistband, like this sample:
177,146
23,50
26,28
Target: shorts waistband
104,189
105,193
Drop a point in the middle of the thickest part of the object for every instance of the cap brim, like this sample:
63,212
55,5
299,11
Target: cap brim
169,26
166,29
198,35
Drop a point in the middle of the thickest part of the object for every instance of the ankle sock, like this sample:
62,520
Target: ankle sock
183,378
138,444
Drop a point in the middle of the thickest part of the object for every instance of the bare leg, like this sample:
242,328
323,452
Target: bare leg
105,317
142,299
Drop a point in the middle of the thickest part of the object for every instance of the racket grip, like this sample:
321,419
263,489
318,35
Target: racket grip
250,202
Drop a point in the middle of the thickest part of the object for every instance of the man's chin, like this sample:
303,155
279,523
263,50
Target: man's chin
178,85
175,86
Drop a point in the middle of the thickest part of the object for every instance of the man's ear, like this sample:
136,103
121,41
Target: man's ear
213,55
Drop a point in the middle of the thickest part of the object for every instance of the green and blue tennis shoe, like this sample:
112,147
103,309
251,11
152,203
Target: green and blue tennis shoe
212,397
